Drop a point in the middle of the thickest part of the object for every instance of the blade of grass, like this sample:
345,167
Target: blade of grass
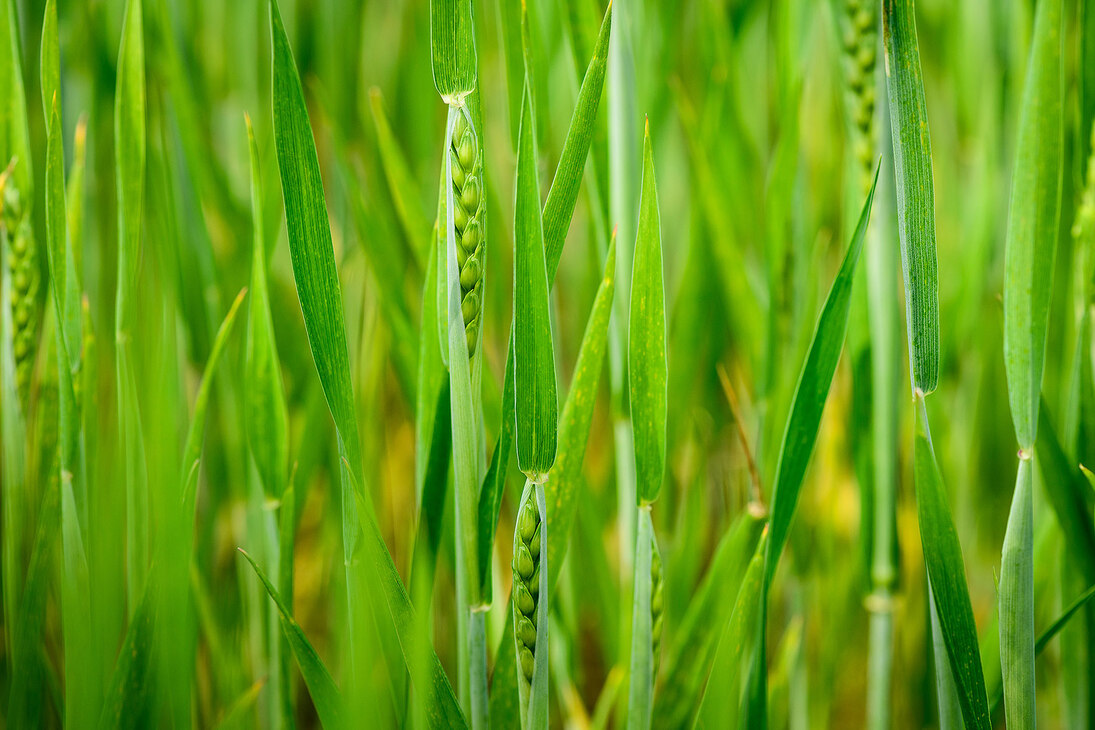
321,687
698,637
129,160
558,212
647,363
947,576
312,253
734,640
1033,218
536,402
915,189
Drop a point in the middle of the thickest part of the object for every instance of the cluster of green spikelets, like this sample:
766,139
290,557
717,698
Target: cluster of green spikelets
859,34
467,190
23,265
526,584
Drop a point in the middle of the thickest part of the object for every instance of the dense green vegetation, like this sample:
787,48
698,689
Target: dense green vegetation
547,363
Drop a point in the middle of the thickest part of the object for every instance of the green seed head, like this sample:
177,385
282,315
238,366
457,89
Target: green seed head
526,581
22,262
467,191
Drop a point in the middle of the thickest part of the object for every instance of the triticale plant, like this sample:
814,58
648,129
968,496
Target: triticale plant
467,190
23,264
859,38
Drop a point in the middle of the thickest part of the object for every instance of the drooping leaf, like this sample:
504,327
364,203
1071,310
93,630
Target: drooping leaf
321,687
716,710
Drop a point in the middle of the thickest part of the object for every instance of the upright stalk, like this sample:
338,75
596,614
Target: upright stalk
461,260
1033,218
858,24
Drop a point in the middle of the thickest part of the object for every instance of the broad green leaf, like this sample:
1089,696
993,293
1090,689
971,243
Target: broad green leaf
129,154
452,42
321,687
442,710
946,692
316,275
812,391
267,418
1029,261
129,171
996,688
534,356
717,710
195,434
558,211
691,655
640,696
565,186
1055,628
646,357
310,244
947,576
1069,496
24,700
915,189
129,694
81,691
1033,215
562,487
565,481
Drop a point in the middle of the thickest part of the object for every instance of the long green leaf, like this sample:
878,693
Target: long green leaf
312,253
697,638
452,42
558,211
812,391
14,130
129,163
947,575
266,415
915,189
717,710
561,488
534,357
646,356
1029,259
1033,216
321,687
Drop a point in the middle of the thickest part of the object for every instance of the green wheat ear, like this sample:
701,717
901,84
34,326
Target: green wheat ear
23,265
468,206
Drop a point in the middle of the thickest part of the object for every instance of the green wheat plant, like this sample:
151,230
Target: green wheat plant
483,363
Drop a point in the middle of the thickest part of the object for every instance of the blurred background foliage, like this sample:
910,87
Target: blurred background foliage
746,105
